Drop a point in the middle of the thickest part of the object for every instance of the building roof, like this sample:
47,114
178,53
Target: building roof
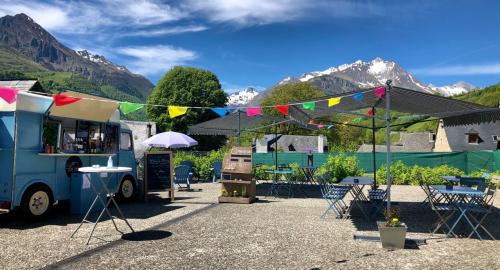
23,85
457,136
418,104
408,142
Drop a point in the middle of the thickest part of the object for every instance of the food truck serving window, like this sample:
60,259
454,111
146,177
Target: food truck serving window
86,137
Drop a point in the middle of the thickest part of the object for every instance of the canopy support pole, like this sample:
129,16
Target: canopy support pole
388,140
239,127
275,146
373,152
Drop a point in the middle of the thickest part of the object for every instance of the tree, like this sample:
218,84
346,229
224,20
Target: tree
186,86
288,93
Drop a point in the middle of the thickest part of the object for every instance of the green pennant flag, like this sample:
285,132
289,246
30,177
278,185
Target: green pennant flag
311,105
357,120
128,107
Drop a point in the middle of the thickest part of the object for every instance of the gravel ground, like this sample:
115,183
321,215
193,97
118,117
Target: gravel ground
270,234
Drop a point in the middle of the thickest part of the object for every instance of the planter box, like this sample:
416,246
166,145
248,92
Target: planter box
392,237
241,200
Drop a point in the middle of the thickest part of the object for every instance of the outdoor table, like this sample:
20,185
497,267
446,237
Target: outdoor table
308,172
276,185
462,198
356,185
452,179
103,177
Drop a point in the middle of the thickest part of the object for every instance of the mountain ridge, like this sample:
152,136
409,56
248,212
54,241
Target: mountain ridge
23,35
377,72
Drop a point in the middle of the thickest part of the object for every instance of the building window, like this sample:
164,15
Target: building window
495,138
473,138
432,137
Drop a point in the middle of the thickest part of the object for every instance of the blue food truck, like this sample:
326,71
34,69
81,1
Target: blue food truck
43,145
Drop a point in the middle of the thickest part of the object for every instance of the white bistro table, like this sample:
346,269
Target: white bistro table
103,177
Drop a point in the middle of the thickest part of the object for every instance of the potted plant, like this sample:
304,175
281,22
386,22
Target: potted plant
392,231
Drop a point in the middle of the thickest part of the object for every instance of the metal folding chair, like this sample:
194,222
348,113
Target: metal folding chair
444,211
377,200
482,210
334,195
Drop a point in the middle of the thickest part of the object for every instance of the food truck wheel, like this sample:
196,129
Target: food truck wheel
37,202
127,189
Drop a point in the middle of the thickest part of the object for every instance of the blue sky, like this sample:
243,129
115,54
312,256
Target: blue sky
258,43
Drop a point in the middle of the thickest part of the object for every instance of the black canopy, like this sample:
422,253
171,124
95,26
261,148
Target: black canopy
417,104
228,125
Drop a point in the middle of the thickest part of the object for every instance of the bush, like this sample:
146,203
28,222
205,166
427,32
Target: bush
407,175
202,164
340,166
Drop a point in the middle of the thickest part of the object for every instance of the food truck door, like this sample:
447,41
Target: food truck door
7,125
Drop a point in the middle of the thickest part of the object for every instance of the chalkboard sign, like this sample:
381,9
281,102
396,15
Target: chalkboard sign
158,172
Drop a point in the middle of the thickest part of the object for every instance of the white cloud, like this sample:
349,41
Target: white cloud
153,60
484,69
49,16
168,31
245,13
93,16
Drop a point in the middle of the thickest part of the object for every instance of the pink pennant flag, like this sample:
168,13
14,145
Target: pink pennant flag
380,92
8,94
254,111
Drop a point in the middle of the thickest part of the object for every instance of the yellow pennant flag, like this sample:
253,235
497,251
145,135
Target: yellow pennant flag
174,111
333,101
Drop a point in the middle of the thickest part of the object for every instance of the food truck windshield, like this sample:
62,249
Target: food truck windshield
76,136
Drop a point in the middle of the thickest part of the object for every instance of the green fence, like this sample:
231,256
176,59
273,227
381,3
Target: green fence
466,161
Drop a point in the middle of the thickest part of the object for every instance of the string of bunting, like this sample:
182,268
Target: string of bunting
10,94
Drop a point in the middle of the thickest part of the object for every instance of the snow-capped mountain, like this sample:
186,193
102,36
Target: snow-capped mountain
99,59
360,74
242,97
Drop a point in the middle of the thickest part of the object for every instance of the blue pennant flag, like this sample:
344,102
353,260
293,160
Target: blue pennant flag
329,126
358,96
221,111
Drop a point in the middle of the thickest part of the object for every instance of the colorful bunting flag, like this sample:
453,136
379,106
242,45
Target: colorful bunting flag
380,91
333,101
329,126
128,107
310,105
8,94
174,111
254,111
221,111
370,112
357,120
61,99
358,96
311,122
321,126
283,109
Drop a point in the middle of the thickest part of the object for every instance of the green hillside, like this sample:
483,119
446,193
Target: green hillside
488,96
14,67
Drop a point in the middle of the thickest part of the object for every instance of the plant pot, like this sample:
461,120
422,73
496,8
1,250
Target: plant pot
392,237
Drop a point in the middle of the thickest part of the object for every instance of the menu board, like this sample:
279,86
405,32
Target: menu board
158,172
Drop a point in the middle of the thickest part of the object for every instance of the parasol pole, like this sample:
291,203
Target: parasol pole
373,151
239,127
388,140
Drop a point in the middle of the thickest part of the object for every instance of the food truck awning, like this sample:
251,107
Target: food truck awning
90,108
27,102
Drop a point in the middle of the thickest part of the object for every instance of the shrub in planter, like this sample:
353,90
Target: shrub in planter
392,231
407,175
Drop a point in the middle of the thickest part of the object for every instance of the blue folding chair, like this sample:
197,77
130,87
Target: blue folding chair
183,175
334,195
377,198
216,170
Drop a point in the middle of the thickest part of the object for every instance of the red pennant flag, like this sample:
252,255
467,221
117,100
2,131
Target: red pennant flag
370,112
283,109
61,99
311,122
380,91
